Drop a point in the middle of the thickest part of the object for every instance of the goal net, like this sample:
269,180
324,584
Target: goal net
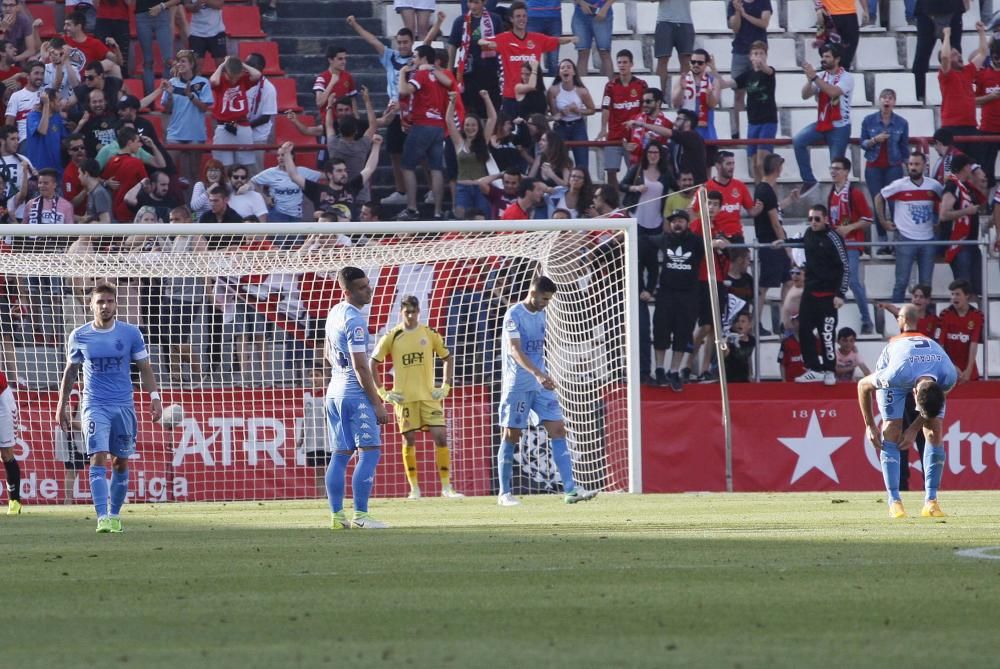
234,320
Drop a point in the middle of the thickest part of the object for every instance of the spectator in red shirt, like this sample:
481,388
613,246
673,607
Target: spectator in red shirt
962,331
428,88
735,196
650,124
621,100
530,194
851,216
988,97
230,83
957,82
126,169
83,49
335,82
517,47
790,353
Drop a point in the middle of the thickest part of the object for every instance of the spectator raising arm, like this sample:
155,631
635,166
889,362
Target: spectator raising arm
373,41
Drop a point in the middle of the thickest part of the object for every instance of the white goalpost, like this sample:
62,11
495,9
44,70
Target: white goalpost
234,317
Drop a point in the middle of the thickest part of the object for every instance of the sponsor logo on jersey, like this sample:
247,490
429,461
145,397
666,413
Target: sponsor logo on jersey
959,336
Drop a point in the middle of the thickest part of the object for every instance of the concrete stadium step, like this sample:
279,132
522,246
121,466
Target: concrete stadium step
329,26
310,44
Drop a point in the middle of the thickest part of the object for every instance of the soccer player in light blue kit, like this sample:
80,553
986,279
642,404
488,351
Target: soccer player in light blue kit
910,362
527,388
354,410
105,349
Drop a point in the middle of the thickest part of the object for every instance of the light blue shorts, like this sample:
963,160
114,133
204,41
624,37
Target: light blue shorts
110,429
352,424
517,407
892,402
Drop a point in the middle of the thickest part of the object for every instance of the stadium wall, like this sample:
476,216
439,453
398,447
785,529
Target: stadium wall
787,438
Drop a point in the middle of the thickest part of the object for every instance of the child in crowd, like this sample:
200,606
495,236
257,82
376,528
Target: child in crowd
848,359
739,355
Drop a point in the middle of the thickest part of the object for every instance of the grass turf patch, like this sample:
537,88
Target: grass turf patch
623,581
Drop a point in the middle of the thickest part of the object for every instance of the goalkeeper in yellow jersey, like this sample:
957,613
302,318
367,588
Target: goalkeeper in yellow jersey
418,403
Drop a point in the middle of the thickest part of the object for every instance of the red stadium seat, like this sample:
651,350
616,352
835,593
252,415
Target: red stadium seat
133,87
242,21
287,95
270,52
47,13
285,131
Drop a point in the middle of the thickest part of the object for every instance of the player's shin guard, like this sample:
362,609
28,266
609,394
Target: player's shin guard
99,489
410,465
442,458
364,478
564,463
933,468
505,466
119,491
336,480
890,469
13,470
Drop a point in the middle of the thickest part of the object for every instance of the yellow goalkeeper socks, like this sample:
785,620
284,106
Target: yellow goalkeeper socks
410,463
442,458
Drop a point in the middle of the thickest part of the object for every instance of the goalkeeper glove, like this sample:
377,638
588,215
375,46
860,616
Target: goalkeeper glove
390,396
442,392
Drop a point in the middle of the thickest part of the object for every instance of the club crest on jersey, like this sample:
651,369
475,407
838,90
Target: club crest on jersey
633,93
423,341
735,193
119,345
530,44
972,325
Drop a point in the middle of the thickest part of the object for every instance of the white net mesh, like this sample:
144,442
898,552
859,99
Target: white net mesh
235,324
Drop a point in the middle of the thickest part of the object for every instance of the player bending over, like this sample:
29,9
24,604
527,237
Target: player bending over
8,438
353,408
105,349
527,387
418,404
910,362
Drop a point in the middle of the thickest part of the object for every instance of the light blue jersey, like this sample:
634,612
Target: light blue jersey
529,329
346,333
106,356
905,359
523,400
392,62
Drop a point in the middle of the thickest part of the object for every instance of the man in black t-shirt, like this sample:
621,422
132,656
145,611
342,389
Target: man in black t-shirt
96,79
676,297
762,109
341,187
154,192
774,263
687,147
99,124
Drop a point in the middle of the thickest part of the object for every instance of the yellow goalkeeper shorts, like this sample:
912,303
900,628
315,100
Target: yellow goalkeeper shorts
419,415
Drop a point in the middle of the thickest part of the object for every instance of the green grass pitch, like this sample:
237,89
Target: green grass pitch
783,580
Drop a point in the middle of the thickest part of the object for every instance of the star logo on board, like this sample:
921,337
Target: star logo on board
814,450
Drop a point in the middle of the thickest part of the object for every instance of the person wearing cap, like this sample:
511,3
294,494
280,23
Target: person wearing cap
340,211
151,154
676,297
128,109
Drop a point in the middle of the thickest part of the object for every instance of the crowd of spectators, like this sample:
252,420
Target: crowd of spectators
488,118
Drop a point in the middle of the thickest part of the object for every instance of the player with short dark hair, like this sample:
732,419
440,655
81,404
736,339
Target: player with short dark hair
413,346
910,363
354,410
527,388
105,350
